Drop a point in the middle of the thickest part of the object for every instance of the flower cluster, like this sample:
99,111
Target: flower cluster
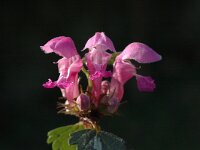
105,87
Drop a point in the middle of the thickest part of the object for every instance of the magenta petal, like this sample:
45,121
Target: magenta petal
100,41
96,75
139,52
145,84
76,65
49,84
69,69
99,74
97,62
63,46
96,59
106,74
123,71
72,91
64,85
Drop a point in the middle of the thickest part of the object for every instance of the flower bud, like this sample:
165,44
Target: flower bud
113,105
105,86
110,104
83,102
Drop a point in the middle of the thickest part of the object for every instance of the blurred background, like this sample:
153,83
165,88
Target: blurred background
167,119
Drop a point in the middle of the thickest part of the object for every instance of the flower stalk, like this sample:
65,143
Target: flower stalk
89,88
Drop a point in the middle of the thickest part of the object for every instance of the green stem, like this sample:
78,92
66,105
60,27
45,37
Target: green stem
89,81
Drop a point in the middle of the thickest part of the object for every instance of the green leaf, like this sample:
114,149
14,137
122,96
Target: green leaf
111,141
91,140
59,137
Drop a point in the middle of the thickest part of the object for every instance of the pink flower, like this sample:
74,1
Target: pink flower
63,46
105,93
100,41
49,84
139,52
69,69
145,83
97,59
69,66
123,70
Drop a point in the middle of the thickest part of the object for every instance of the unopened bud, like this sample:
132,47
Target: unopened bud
83,102
110,104
105,86
113,105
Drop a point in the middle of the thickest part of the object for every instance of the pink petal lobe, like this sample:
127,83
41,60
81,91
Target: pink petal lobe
49,84
68,79
123,71
72,90
63,46
145,84
99,74
69,66
96,75
139,52
96,62
64,84
100,41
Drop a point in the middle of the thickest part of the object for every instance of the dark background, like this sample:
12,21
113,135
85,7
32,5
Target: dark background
167,119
